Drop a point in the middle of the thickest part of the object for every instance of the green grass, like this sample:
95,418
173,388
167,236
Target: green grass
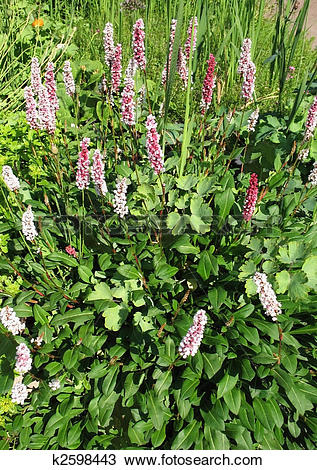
223,25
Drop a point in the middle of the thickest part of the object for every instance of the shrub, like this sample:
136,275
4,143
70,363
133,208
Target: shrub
108,282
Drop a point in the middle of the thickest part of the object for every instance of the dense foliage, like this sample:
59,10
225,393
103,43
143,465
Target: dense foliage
106,299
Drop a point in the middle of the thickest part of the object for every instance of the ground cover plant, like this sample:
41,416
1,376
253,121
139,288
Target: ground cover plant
158,262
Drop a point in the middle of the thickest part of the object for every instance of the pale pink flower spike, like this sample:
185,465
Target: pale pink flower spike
190,343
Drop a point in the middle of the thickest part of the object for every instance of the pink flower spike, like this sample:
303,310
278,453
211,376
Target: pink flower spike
82,174
267,296
127,102
97,173
251,198
19,393
311,121
154,150
12,182
245,56
23,359
138,47
249,82
171,42
31,108
50,84
252,121
108,44
28,227
120,198
182,67
68,79
209,84
312,178
36,81
189,37
116,69
190,343
10,320
71,251
47,117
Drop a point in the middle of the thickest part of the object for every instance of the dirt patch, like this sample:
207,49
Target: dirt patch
312,20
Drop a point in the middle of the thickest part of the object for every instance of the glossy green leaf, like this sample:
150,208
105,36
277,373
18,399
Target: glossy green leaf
186,438
226,384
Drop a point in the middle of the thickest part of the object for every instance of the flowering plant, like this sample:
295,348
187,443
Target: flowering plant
159,305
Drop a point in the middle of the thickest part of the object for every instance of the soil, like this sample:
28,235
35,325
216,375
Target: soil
312,21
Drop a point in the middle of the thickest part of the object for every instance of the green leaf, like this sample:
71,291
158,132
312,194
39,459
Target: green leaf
299,400
212,419
170,348
104,261
198,224
135,435
155,410
306,330
247,372
267,328
207,264
76,315
73,436
115,317
224,201
298,286
217,296
189,387
70,358
165,271
186,437
250,287
282,378
176,223
186,182
58,420
40,314
110,380
6,376
204,265
7,347
84,273
106,406
233,400
132,384
293,428
205,185
158,436
101,292
226,384
183,245
147,191
216,439
128,271
62,258
293,392
261,412
250,333
269,442
212,363
244,311
283,279
163,383
310,269
98,370
274,412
